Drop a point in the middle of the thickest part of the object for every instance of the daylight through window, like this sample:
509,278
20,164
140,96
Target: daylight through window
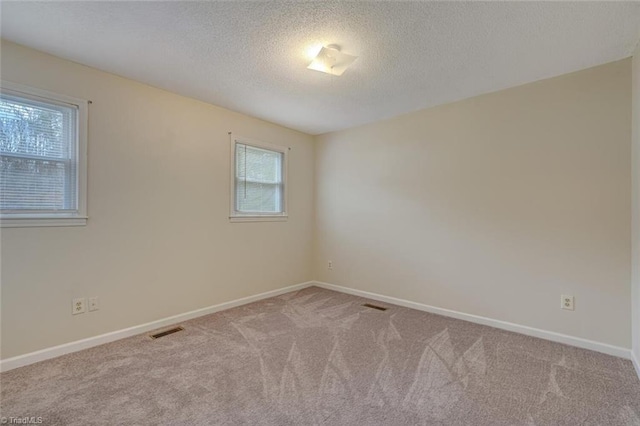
39,157
259,180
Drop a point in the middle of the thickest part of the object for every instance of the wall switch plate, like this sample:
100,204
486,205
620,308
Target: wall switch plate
93,304
79,306
567,302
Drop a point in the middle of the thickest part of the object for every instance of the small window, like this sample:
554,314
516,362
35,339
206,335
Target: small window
259,180
42,158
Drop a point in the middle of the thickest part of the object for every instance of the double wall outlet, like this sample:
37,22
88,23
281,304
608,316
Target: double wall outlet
330,264
79,306
566,302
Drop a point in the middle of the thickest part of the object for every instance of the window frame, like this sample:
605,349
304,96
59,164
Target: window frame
48,219
236,216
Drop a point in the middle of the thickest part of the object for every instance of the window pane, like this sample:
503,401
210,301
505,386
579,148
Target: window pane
258,185
28,184
35,128
258,165
38,159
254,197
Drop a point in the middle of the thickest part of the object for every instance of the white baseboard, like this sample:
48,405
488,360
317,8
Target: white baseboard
56,351
522,329
78,345
636,363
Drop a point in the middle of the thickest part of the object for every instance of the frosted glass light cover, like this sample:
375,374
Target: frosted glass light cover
331,61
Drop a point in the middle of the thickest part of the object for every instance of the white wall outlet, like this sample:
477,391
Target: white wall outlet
567,302
93,304
330,264
79,306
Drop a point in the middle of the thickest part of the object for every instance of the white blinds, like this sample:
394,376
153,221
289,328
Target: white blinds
259,186
38,155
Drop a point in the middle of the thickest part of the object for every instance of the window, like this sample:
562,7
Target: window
259,175
42,158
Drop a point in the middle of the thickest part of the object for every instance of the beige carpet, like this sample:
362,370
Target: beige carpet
320,357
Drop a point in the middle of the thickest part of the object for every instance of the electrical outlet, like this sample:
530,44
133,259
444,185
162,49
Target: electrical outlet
79,306
330,265
566,302
93,304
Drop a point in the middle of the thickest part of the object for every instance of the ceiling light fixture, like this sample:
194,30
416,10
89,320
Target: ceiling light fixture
331,60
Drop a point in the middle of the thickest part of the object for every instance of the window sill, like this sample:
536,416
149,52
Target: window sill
258,218
28,222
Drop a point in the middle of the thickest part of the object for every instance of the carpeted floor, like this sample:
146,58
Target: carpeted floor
320,357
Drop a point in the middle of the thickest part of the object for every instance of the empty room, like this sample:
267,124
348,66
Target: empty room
319,213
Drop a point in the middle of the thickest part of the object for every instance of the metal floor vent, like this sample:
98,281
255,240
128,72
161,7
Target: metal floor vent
166,332
369,305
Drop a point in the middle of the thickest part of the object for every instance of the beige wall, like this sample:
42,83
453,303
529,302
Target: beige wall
635,216
493,206
158,241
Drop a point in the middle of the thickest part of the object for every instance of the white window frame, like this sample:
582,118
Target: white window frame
236,216
78,218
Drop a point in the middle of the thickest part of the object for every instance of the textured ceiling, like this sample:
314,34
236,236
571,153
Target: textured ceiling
252,56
